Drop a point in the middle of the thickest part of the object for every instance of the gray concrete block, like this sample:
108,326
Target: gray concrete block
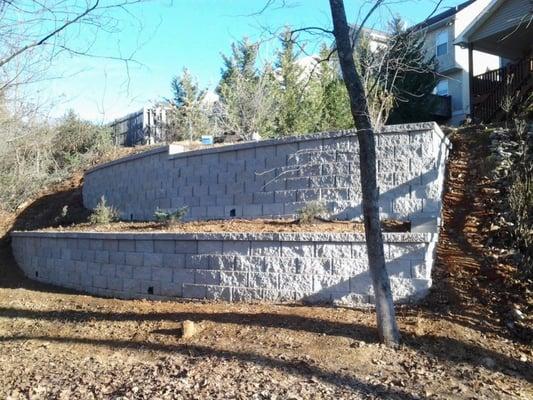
200,261
142,273
161,274
222,262
297,249
207,277
186,246
252,210
210,247
144,246
296,283
101,256
194,291
265,248
117,257
152,260
263,280
339,250
234,278
134,259
246,294
164,246
126,245
218,293
124,271
183,276
175,261
254,264
236,247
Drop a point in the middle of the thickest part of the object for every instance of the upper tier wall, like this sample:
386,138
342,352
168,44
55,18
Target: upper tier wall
273,178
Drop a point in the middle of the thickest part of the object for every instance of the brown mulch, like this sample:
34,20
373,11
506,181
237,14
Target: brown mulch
236,225
455,345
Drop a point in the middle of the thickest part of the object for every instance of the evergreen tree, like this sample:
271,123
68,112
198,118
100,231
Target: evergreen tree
291,117
247,94
334,109
190,117
414,75
242,61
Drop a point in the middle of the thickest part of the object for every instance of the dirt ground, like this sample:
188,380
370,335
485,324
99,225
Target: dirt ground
236,225
457,344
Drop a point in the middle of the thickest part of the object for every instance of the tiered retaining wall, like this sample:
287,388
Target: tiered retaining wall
275,178
271,178
313,267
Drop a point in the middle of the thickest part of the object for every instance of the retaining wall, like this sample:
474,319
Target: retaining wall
311,267
275,178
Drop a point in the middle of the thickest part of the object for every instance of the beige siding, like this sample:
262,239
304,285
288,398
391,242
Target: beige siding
508,15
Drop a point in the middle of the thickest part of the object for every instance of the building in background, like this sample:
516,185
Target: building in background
146,126
504,28
453,68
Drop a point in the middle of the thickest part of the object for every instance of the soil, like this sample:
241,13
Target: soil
236,225
457,344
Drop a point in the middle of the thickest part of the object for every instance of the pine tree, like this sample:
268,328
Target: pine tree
246,92
334,108
190,116
292,91
414,74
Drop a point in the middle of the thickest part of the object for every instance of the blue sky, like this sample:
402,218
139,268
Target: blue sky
178,34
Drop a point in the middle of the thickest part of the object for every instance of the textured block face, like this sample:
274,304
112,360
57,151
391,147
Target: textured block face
255,180
250,267
272,178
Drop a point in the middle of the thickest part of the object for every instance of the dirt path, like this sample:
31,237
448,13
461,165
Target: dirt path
56,344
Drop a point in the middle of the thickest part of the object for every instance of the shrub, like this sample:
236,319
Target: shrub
103,214
77,142
170,218
311,212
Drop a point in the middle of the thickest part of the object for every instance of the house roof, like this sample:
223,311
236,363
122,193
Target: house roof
476,22
442,16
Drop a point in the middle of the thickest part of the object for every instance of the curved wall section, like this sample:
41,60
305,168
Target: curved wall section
275,178
311,267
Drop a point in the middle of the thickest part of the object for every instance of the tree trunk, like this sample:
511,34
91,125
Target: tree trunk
386,320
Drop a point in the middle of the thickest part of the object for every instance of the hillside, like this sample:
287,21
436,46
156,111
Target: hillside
463,341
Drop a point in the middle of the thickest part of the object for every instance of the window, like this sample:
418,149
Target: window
442,43
442,88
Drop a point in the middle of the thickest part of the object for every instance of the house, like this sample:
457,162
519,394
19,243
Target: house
144,126
453,67
503,28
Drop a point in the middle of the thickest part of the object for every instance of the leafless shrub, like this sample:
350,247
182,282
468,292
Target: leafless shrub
311,212
170,218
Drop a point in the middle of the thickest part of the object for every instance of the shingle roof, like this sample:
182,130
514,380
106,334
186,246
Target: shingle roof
443,15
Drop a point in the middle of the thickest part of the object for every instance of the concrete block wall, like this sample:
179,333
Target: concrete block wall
275,178
310,267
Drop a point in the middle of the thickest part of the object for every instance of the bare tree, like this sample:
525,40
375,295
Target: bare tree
386,320
34,33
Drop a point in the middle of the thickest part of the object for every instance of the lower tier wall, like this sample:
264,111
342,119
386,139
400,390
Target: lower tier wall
310,267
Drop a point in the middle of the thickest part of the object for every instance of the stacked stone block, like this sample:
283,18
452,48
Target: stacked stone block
310,267
275,178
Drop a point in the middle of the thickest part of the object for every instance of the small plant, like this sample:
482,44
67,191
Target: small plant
62,217
170,218
64,212
311,212
103,214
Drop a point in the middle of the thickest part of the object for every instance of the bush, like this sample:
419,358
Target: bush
170,218
35,154
311,212
76,142
103,214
